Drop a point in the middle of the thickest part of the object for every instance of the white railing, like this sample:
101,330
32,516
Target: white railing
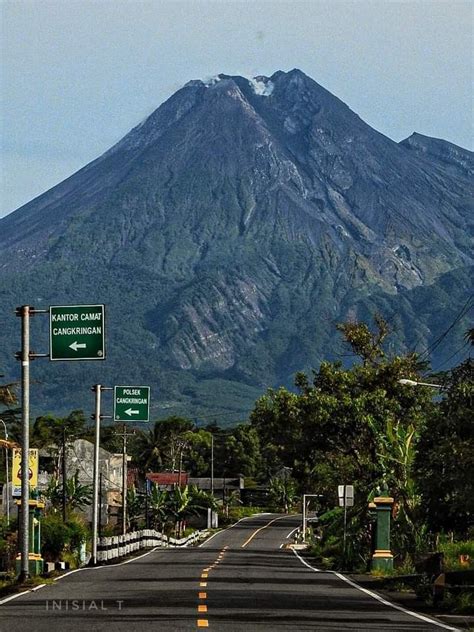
121,545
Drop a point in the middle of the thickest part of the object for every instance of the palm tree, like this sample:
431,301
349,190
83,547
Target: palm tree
150,449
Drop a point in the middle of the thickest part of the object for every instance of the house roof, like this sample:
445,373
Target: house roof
168,478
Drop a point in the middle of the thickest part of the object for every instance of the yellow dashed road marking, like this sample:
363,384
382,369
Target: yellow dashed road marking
261,529
203,623
202,608
202,595
203,584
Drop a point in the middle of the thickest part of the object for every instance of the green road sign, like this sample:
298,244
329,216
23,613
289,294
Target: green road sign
131,403
76,332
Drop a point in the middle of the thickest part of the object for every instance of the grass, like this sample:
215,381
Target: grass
453,552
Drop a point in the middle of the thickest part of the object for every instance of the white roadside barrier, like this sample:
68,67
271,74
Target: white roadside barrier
115,546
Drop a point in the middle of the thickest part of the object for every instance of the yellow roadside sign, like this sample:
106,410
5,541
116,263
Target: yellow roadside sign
16,470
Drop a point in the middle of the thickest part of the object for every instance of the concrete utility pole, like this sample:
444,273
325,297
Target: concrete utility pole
124,434
212,464
25,355
25,440
97,388
95,492
7,495
63,467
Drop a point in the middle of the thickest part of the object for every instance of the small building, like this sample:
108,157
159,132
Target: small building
168,480
80,459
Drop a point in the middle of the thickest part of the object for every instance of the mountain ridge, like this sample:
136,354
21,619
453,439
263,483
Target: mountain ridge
215,226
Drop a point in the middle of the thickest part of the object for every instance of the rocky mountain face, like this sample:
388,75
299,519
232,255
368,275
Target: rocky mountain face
230,231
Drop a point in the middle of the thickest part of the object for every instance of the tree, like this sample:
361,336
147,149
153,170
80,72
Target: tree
283,493
363,342
78,496
445,460
197,455
242,451
355,425
48,430
162,446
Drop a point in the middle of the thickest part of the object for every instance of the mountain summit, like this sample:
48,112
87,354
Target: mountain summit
231,229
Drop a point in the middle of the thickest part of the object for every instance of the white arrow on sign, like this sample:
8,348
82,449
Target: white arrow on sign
129,412
77,345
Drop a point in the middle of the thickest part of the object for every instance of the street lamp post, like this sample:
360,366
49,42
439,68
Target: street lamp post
407,382
7,495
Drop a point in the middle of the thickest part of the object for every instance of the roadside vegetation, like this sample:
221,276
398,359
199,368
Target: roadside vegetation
339,425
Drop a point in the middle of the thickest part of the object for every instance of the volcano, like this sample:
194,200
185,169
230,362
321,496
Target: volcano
228,233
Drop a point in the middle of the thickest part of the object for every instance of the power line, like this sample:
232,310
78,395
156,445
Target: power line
466,307
466,344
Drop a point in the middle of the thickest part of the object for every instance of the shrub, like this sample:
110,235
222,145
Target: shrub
452,554
60,538
54,537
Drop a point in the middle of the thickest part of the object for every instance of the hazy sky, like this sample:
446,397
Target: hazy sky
78,74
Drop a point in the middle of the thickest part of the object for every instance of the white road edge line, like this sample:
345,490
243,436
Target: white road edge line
77,570
291,532
96,568
15,596
378,597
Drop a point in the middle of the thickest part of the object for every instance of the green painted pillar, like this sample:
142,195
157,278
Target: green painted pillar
382,559
35,561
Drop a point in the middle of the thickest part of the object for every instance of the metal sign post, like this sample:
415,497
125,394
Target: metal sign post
124,434
346,499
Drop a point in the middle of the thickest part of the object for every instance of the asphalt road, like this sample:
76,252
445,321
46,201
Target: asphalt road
240,580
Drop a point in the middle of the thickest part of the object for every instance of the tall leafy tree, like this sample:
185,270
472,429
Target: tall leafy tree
445,460
163,446
356,425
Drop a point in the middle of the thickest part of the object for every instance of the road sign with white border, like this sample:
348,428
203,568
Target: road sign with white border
131,403
76,332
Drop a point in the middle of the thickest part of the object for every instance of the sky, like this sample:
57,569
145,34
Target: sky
77,75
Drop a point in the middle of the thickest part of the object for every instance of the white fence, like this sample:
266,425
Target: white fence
120,545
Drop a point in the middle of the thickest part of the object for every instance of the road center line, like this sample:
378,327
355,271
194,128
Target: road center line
378,597
261,529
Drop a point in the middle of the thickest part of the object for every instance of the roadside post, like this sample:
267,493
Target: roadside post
305,520
98,389
382,559
76,332
346,499
131,403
